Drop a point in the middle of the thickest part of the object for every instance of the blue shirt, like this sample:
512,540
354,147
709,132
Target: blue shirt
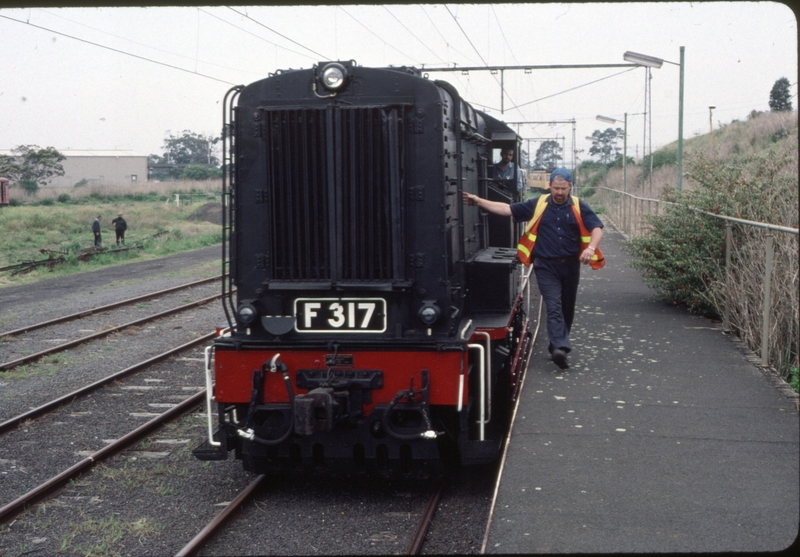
507,174
559,235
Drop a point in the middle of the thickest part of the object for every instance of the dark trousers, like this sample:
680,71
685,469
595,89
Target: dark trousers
558,285
120,236
98,240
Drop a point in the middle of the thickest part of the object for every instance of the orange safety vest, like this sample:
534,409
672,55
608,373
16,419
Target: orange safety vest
528,239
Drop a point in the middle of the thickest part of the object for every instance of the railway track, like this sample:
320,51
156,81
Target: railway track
106,307
46,488
30,456
5,366
218,521
83,391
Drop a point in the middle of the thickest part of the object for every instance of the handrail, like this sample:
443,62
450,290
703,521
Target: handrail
715,215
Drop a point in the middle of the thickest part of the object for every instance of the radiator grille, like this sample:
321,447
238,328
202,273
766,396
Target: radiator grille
334,178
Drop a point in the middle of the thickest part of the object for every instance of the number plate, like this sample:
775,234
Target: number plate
340,315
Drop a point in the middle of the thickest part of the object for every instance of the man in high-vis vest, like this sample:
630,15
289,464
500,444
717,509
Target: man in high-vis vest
562,233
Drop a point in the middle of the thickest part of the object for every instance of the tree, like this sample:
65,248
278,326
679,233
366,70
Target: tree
200,172
31,163
547,155
605,144
524,161
189,148
779,96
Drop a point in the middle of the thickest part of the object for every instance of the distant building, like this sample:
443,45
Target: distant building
109,167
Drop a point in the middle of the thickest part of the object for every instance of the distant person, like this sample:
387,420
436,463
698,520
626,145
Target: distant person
98,239
562,232
504,170
120,226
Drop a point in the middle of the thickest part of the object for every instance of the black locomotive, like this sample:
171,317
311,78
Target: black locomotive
372,319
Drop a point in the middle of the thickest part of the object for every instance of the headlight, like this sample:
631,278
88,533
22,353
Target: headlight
429,312
246,314
333,77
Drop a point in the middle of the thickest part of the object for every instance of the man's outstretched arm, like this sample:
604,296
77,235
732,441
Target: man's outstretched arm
496,207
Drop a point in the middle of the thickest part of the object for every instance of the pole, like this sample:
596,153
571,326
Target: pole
711,123
625,199
726,314
502,91
680,125
767,304
625,156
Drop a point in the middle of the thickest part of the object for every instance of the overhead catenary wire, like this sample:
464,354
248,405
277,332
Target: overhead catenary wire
322,56
447,43
354,18
466,36
259,37
485,63
573,88
53,14
117,50
411,32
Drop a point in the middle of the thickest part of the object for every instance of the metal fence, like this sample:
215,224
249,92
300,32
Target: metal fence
629,213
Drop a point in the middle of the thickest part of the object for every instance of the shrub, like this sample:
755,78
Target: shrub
794,378
48,201
64,198
662,157
30,187
680,254
200,172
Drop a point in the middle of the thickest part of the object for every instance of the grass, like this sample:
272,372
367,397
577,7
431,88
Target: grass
46,366
107,537
100,537
66,227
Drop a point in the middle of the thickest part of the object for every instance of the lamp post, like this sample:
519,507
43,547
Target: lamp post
710,124
653,62
624,163
605,166
624,147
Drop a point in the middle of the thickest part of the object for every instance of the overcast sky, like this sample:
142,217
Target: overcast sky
127,78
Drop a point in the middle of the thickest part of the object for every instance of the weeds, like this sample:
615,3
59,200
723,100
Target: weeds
105,534
47,366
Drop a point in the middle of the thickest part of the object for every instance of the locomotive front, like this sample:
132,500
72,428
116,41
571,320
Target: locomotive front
345,272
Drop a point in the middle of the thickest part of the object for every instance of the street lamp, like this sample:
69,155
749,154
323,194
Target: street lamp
642,59
710,125
653,62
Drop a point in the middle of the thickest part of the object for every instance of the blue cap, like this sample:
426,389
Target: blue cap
563,172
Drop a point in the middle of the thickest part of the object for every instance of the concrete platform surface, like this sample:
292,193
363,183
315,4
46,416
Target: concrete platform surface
661,437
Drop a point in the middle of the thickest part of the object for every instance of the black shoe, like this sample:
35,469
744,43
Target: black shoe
560,358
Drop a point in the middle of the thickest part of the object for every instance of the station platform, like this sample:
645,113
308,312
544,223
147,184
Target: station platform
664,435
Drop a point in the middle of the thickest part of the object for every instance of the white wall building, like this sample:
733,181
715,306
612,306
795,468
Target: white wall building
110,167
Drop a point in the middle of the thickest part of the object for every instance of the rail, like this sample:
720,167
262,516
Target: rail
631,216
